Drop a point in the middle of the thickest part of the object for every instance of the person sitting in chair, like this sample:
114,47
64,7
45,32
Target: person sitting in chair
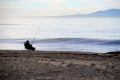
28,46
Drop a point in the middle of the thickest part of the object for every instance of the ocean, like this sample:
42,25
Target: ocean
91,34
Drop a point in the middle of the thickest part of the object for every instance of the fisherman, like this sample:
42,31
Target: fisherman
28,46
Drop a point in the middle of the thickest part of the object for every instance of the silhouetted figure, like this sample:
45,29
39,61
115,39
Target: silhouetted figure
28,46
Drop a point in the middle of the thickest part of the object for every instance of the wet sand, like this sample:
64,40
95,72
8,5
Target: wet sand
58,65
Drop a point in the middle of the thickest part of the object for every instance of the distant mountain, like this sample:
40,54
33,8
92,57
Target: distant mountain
105,13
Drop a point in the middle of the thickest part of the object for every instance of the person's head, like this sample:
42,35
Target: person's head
27,41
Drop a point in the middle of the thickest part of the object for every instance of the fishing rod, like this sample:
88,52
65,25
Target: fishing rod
35,35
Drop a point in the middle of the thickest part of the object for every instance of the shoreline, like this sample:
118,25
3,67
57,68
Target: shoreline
62,52
58,65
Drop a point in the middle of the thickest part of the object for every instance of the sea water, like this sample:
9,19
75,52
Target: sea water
93,34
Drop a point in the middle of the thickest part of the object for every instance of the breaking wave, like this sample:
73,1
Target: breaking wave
66,41
80,41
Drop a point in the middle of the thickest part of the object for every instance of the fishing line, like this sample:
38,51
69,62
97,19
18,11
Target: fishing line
37,31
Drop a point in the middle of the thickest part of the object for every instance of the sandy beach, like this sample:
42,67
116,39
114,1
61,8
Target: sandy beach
58,65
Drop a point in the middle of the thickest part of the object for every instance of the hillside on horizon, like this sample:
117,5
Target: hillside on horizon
105,13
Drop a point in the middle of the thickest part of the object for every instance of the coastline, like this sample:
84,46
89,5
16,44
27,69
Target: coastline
58,65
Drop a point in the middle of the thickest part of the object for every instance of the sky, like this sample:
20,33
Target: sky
54,7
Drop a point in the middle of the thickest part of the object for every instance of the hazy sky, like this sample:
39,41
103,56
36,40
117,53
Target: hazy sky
54,7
